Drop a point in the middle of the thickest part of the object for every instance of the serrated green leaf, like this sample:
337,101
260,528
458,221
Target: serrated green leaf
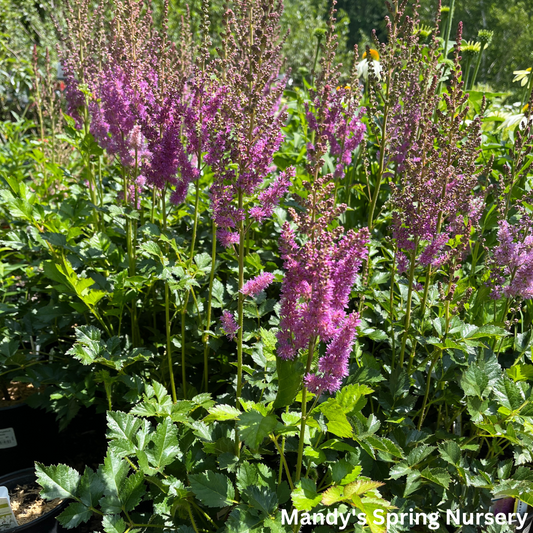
412,483
437,475
450,452
508,394
487,331
332,495
384,445
305,496
418,454
474,381
165,445
90,488
254,427
520,372
212,489
337,423
222,412
113,473
262,498
341,469
74,515
399,470
352,397
132,491
113,524
122,425
361,486
58,481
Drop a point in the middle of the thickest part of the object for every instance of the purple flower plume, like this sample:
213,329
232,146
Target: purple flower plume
254,286
146,107
333,366
334,119
229,325
512,259
247,129
319,276
270,197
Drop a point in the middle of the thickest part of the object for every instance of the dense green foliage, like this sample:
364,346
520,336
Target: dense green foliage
116,304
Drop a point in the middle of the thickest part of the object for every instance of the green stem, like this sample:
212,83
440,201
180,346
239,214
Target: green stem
426,395
90,175
241,301
209,306
310,354
449,28
154,201
317,52
283,461
381,157
169,345
195,225
467,73
183,360
476,70
192,519
502,320
429,274
409,303
391,306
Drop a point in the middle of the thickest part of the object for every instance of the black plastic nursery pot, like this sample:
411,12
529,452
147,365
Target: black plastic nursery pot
26,435
46,523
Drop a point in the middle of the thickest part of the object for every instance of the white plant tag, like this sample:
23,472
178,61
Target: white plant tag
7,438
7,518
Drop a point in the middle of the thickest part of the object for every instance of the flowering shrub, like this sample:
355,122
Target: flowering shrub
289,301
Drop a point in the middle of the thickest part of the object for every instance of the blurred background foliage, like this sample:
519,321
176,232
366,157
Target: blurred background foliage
510,20
27,23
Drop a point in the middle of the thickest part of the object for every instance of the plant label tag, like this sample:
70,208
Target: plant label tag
7,438
7,518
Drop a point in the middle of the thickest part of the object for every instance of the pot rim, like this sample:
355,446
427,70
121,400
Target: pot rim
25,472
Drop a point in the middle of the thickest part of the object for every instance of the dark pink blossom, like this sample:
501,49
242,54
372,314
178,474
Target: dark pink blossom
321,266
255,285
229,324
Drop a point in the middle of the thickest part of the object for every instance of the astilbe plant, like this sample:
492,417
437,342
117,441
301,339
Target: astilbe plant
434,196
335,113
321,265
175,120
511,259
248,131
320,273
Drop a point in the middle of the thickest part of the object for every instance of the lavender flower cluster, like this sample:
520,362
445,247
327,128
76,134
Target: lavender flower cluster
435,174
321,266
512,259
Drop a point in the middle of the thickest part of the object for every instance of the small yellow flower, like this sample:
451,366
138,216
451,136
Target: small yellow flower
522,76
525,108
362,67
374,54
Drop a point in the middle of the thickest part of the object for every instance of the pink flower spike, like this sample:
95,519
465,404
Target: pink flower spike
254,286
229,325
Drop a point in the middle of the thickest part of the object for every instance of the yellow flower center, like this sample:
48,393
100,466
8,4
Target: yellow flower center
373,54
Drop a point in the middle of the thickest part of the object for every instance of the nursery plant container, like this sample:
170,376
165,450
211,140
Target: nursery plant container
26,435
47,522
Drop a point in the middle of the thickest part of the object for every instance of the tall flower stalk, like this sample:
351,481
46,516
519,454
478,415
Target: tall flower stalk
250,129
128,89
385,88
435,200
321,266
